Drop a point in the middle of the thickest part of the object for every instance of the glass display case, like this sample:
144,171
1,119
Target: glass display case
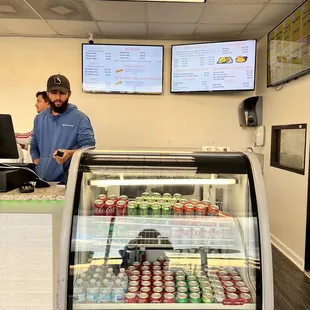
165,230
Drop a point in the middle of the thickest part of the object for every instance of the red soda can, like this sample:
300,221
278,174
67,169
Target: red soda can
170,289
155,298
227,284
146,263
189,209
165,268
243,289
246,298
234,273
121,207
158,289
178,209
123,197
110,207
143,298
225,278
222,273
169,298
232,296
168,273
130,298
157,271
130,269
136,273
200,210
231,289
146,273
99,209
158,283
146,278
133,289
169,284
168,278
146,283
145,289
134,278
156,264
239,284
134,284
137,265
157,278
166,263
236,278
161,259
102,197
112,197
145,268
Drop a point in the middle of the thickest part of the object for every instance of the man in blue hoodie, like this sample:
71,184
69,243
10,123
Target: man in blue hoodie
60,127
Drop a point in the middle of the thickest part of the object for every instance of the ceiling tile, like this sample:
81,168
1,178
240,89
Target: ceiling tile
28,27
238,1
230,13
174,12
74,28
171,30
123,30
71,10
287,1
22,10
273,13
217,32
255,31
117,11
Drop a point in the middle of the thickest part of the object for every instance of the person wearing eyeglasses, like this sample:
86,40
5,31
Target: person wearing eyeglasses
61,127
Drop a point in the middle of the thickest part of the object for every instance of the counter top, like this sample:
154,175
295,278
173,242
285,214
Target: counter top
47,193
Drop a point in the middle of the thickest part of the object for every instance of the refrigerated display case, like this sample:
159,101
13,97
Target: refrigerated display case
165,230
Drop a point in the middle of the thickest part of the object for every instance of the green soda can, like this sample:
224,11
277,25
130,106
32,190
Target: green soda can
145,195
182,289
194,289
206,289
144,208
193,283
180,273
173,201
182,284
138,200
167,196
207,298
156,196
194,298
191,278
181,298
155,209
161,201
180,278
132,209
166,209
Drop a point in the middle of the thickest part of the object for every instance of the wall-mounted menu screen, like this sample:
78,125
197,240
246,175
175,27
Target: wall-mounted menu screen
288,47
122,68
213,67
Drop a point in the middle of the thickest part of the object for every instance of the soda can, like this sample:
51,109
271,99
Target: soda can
195,201
231,289
182,284
205,284
157,271
225,278
155,209
121,207
200,210
158,289
202,279
134,278
137,265
228,283
206,202
136,273
143,298
180,273
167,196
130,298
157,278
146,283
193,283
207,290
246,298
232,296
183,201
132,209
133,289
216,283
161,259
169,284
144,209
194,298
194,289
138,200
123,197
156,264
146,263
236,278
207,298
213,277
222,273
156,196
146,272
186,234
177,209
170,289
219,297
110,207
146,278
168,273
145,289
145,268
102,197
189,209
155,298
180,278
168,278
168,298
145,195
181,298
158,283
177,196
233,273
240,284
182,289
218,289
213,210
99,209
243,289
130,269
191,278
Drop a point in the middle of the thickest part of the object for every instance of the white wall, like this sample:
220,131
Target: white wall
286,191
118,120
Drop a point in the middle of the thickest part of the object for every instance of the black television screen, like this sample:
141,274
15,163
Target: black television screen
213,67
288,47
109,68
8,147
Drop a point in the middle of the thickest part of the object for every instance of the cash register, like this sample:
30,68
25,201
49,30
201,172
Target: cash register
14,175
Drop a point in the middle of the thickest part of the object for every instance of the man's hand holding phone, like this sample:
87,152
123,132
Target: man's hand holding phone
61,155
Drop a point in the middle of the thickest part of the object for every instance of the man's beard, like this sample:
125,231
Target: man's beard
60,109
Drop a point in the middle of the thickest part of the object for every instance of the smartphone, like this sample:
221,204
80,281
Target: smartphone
59,153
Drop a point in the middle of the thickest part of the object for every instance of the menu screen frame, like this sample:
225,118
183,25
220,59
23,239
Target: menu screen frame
125,92
220,90
302,71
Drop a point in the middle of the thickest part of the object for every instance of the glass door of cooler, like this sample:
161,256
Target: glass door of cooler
158,238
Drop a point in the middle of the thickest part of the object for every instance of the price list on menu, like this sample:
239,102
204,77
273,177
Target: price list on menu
122,68
213,66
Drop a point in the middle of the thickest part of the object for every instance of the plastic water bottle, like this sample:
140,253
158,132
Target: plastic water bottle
105,292
117,292
79,292
97,278
92,292
110,270
123,271
110,280
123,282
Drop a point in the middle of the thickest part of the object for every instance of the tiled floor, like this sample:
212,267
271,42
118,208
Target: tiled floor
291,285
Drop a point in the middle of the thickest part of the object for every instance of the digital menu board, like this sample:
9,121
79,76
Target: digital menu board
288,47
218,66
122,68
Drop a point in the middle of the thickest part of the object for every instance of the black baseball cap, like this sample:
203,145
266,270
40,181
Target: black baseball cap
58,82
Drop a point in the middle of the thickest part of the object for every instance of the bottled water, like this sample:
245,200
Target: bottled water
110,270
117,292
79,293
123,271
123,282
92,292
97,278
110,280
105,292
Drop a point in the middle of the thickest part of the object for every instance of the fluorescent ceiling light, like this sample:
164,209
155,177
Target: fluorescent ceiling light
62,10
187,1
7,9
105,183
